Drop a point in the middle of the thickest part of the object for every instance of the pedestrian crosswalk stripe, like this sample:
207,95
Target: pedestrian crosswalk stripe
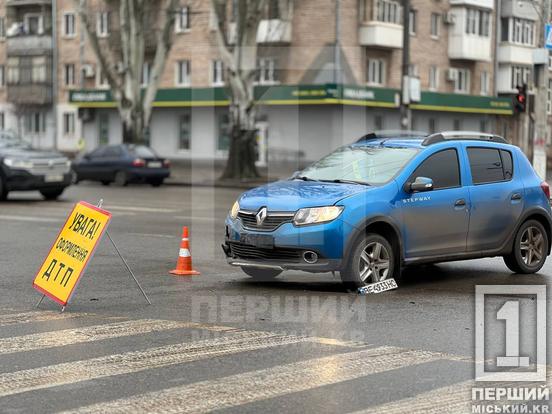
28,317
136,361
266,383
65,337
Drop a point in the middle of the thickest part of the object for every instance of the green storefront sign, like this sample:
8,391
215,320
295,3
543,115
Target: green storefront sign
326,94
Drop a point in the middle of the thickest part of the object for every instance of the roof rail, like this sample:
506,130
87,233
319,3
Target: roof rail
387,134
462,135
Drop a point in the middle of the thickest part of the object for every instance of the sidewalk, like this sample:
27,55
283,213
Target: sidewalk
206,173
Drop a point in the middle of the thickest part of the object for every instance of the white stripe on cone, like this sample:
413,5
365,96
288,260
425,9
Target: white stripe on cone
184,253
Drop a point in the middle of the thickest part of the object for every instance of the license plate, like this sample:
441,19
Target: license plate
258,240
378,287
54,178
155,164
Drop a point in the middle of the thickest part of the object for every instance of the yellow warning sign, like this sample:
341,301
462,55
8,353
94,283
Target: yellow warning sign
59,274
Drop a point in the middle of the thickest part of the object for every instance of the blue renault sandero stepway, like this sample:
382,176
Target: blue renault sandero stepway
393,200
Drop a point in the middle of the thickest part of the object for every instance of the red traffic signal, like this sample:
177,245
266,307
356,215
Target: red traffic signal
520,99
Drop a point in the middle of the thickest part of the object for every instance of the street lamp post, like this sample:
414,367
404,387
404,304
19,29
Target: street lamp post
405,90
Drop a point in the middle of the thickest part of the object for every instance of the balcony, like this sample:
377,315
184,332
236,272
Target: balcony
380,34
274,31
28,45
30,94
484,4
517,54
521,9
470,47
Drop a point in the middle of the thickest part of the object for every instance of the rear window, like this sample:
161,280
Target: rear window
142,151
490,165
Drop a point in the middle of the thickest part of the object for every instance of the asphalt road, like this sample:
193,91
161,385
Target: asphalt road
220,341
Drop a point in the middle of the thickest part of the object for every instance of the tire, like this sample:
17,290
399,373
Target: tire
261,274
74,177
52,194
121,179
158,182
361,268
530,249
3,190
105,182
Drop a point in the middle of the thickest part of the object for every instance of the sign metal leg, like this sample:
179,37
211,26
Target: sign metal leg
40,301
128,267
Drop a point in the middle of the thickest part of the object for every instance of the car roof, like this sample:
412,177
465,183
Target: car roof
416,139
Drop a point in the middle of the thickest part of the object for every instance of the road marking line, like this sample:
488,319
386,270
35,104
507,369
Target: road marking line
43,316
164,236
136,361
30,219
235,390
140,209
86,334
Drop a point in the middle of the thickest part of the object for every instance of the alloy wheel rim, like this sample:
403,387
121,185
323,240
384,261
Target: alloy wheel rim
532,246
374,263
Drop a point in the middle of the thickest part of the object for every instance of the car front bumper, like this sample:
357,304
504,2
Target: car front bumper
21,180
286,246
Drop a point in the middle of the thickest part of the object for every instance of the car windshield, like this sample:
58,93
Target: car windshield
374,165
141,151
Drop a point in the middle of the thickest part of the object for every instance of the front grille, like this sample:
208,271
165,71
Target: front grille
271,222
43,167
244,251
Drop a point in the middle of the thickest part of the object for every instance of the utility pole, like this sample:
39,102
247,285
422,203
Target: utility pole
406,123
54,66
337,48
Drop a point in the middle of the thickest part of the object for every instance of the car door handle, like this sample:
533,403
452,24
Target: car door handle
516,196
460,203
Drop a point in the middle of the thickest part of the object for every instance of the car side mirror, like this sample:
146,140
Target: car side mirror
419,185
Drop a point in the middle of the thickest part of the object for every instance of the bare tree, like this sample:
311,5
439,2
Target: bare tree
237,41
122,59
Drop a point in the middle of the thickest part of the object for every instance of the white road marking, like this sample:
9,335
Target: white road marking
161,236
235,390
39,316
32,219
87,334
136,361
139,209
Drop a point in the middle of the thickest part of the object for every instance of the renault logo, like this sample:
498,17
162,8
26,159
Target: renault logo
261,216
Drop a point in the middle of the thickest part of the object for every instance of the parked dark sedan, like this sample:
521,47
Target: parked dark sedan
122,164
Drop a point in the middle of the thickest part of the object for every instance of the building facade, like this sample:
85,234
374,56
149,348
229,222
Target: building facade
468,57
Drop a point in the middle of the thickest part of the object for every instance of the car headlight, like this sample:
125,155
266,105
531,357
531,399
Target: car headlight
235,209
316,215
18,163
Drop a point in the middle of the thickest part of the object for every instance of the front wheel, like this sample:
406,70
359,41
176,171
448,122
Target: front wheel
372,260
121,179
261,274
530,248
52,194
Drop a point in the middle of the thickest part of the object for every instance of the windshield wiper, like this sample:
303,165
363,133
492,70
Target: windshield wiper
304,178
340,181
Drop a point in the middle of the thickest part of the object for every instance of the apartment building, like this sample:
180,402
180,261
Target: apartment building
53,92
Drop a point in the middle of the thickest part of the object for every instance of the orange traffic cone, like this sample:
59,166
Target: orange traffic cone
184,263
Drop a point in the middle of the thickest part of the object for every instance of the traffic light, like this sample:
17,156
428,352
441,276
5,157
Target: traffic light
520,99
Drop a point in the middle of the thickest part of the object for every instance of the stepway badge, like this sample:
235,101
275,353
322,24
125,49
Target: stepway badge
378,287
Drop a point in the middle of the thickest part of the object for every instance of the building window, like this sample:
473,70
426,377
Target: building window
69,74
39,69
267,73
484,83
103,24
33,24
435,28
387,11
457,125
412,22
2,27
519,31
34,123
376,72
184,132
183,73
462,81
146,74
433,78
217,73
273,10
478,22
69,25
69,123
182,23
101,79
520,76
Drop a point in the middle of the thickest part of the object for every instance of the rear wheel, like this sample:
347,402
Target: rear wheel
105,182
261,274
121,178
372,260
157,182
530,248
52,194
3,190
